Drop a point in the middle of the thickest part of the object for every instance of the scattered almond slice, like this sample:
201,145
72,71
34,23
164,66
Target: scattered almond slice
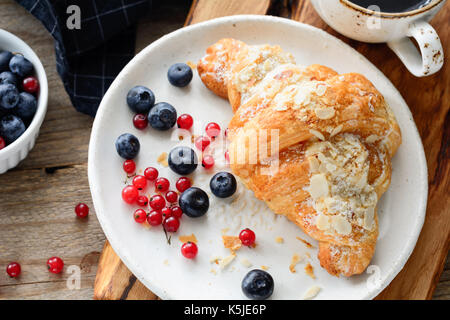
279,240
166,262
294,261
309,245
188,238
213,271
309,270
225,230
246,263
265,268
232,242
226,261
215,259
162,159
192,65
311,292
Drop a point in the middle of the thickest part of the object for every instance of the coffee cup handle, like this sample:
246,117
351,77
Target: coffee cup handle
431,56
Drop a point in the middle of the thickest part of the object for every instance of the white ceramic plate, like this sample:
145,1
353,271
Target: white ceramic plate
160,266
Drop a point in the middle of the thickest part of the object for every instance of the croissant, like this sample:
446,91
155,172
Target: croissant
331,139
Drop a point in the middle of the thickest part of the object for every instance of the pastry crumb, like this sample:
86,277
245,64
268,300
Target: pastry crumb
309,270
225,230
192,65
166,262
232,242
294,261
213,271
188,238
279,240
215,259
311,292
309,245
265,268
226,261
246,263
162,159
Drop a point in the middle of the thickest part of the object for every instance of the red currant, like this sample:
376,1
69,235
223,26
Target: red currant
171,196
55,265
177,212
140,182
171,224
13,269
129,166
142,201
185,121
183,184
208,162
2,143
247,237
227,156
155,218
151,173
202,143
130,194
166,212
162,184
140,121
81,210
30,84
225,133
189,250
157,202
212,129
140,216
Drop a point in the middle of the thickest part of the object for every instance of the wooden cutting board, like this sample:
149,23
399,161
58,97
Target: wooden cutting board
429,101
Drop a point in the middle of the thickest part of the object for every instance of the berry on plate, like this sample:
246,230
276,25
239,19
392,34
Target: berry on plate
212,130
130,194
258,285
140,99
177,212
183,184
171,196
208,162
194,202
129,166
140,182
162,184
151,173
55,265
189,250
162,116
166,212
171,224
21,66
11,128
155,218
182,160
140,121
202,142
127,146
223,184
82,210
30,84
13,269
157,202
179,74
247,237
185,121
142,201
140,216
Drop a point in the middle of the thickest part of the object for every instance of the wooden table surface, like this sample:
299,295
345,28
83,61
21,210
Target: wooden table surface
37,198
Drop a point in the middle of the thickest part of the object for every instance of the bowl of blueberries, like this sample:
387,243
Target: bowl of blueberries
23,99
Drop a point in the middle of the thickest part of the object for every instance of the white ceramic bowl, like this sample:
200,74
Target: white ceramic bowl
11,155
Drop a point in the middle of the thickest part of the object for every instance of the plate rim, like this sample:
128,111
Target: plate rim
161,292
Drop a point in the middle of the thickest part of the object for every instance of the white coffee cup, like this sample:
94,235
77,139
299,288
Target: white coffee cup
395,29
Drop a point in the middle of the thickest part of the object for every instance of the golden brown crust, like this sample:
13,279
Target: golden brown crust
298,107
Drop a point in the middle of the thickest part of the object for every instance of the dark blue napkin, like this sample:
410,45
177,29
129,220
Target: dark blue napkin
88,59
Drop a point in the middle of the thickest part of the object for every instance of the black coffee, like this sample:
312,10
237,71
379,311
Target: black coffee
393,6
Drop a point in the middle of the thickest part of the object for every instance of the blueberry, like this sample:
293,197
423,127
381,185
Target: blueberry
127,146
8,77
223,184
20,65
9,96
182,160
11,127
27,106
194,202
162,116
179,74
5,57
257,285
140,99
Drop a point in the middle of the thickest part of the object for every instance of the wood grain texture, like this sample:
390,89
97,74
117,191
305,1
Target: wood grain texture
429,101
